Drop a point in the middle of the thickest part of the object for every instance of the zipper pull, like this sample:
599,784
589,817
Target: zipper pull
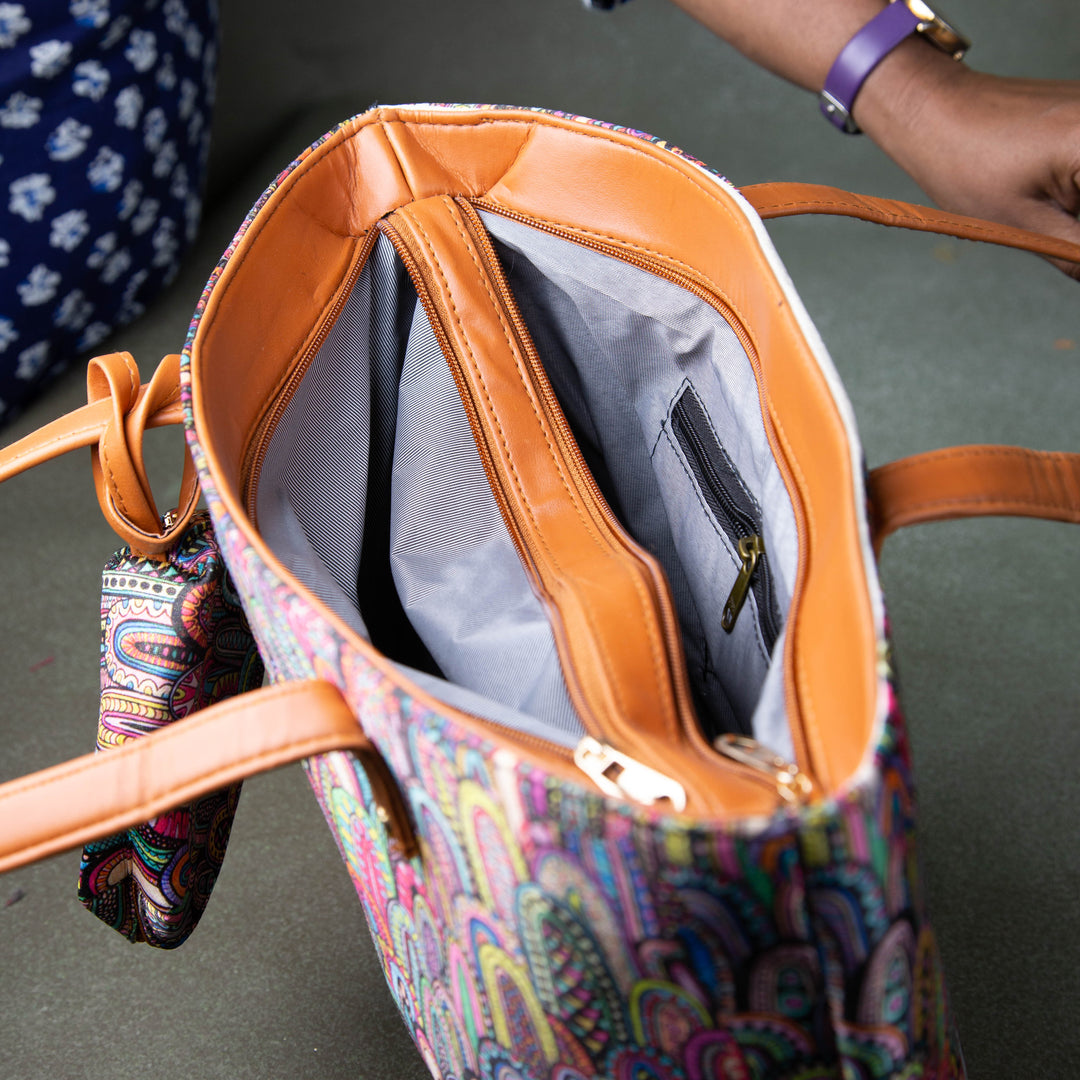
751,548
793,785
622,777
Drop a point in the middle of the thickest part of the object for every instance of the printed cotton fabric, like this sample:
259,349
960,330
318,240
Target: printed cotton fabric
104,131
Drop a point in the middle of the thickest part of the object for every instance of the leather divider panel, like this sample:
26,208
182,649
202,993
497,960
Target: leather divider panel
611,615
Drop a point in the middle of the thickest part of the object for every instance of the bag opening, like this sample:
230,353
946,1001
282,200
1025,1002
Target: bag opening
373,494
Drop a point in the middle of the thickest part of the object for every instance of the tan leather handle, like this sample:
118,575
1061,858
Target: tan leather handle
97,795
974,481
113,423
778,200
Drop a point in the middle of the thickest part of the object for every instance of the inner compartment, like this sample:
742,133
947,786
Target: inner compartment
373,493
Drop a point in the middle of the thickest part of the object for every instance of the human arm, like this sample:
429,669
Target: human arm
989,146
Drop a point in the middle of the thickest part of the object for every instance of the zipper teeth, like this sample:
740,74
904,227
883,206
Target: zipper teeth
655,266
761,586
593,727
737,518
572,452
260,442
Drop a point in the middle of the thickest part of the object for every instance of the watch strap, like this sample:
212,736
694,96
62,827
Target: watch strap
859,57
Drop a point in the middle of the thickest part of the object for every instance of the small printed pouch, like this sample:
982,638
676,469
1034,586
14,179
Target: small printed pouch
174,639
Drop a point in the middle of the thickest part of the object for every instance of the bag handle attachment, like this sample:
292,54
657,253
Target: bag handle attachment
97,795
778,200
973,481
118,412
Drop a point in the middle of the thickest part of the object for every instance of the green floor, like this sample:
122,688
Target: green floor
938,342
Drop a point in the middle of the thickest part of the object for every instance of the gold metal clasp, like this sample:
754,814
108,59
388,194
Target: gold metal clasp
793,785
751,548
622,777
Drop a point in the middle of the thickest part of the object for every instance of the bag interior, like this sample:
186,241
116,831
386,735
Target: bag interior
372,491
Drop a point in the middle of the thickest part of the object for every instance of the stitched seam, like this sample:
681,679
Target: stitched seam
696,489
575,501
170,734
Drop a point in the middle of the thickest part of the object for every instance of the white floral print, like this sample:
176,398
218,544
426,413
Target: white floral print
49,58
69,140
8,334
69,230
106,171
93,336
166,72
129,103
91,80
74,311
117,31
116,266
20,111
13,24
165,160
129,199
147,215
103,247
189,95
32,361
142,49
155,128
39,286
29,195
5,253
165,241
94,13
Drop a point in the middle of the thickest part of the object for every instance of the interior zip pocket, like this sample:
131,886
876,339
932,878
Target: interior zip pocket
736,512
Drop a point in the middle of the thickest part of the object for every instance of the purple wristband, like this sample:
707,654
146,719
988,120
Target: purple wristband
872,44
859,57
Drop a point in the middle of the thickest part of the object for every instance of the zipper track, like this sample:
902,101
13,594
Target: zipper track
740,523
259,443
655,265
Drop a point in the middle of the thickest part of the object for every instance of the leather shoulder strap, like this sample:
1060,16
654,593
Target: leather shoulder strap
788,199
101,794
112,424
974,481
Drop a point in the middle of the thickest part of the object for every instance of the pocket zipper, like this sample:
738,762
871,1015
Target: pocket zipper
735,511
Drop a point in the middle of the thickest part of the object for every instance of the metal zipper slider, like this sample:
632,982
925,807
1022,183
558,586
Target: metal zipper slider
793,785
622,777
751,548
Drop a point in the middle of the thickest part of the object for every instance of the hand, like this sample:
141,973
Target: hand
983,145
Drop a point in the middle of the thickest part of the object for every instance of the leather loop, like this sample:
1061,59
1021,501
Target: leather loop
113,423
974,481
97,795
779,200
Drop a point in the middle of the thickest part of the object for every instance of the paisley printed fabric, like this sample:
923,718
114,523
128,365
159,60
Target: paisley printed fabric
104,131
548,933
174,639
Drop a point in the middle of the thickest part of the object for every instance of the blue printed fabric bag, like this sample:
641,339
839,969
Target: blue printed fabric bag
104,132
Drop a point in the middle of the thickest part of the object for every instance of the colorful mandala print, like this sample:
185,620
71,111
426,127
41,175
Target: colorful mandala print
547,933
174,639
104,130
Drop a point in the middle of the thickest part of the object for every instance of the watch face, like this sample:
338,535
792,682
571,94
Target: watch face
935,29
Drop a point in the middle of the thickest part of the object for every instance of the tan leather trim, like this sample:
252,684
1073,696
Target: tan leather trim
101,794
778,200
112,424
974,481
629,688
288,265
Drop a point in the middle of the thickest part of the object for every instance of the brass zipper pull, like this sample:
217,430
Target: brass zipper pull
622,777
793,785
751,548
